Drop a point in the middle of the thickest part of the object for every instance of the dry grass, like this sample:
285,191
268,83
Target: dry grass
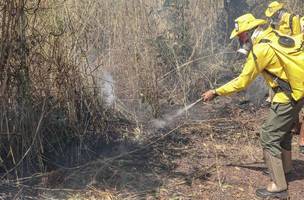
54,56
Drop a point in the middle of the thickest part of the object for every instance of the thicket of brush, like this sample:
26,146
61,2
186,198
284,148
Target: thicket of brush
54,56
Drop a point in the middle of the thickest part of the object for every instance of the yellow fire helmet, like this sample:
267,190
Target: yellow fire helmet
273,8
244,23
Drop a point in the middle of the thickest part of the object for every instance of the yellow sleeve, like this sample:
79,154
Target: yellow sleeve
296,25
302,24
263,55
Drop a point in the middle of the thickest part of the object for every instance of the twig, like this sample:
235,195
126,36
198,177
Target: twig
30,147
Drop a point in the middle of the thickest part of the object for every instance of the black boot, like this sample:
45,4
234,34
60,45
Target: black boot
264,193
301,149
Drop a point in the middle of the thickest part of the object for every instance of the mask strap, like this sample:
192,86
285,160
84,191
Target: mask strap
256,33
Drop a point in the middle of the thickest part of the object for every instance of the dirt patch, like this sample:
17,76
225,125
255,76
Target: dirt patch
215,158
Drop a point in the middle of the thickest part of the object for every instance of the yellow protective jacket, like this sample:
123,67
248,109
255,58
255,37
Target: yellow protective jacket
290,26
302,24
271,57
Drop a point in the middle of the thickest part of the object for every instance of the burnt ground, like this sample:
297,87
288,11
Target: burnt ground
215,155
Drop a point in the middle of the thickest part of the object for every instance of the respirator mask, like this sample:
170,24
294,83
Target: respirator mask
245,43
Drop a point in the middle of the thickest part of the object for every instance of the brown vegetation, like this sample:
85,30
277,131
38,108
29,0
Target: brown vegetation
76,76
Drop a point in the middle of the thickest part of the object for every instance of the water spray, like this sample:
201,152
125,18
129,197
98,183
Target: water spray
190,106
161,123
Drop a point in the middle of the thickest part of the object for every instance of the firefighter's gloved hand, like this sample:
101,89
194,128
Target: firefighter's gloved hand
209,95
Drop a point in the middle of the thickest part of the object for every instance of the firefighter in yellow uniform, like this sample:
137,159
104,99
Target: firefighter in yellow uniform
263,58
288,24
301,137
302,24
281,20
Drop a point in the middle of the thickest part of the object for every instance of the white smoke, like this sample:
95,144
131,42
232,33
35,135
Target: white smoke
107,89
257,90
159,123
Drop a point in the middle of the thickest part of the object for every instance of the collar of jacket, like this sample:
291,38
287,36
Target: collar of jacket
264,34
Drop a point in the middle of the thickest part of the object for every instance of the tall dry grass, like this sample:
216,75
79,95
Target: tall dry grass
54,56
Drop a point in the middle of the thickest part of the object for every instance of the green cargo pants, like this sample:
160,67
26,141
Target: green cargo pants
276,131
